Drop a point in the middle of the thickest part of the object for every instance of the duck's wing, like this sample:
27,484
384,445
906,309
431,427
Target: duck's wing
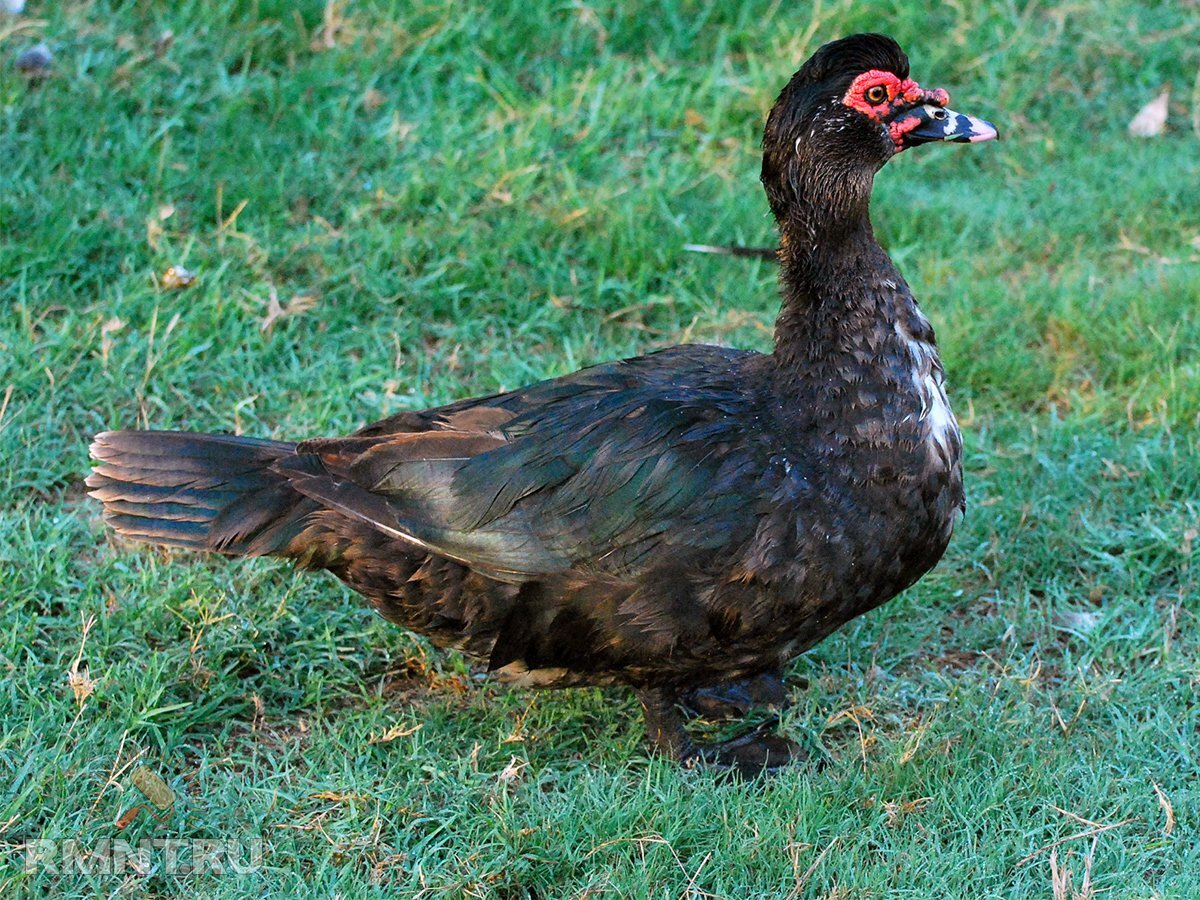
600,471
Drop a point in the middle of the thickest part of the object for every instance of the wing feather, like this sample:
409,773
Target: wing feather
599,470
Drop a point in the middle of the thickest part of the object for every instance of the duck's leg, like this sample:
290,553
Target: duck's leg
664,724
735,699
751,754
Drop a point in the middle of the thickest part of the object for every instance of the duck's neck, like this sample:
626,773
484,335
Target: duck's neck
839,288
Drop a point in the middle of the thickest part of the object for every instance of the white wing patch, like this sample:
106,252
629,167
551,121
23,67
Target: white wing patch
929,382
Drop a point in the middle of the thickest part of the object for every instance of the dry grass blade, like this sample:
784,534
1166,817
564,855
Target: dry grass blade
1168,810
80,679
1091,832
8,392
1196,104
297,306
768,253
1061,885
394,733
798,885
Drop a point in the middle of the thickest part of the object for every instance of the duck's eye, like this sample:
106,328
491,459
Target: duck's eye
875,95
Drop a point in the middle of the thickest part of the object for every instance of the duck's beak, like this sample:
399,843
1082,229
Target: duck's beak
931,122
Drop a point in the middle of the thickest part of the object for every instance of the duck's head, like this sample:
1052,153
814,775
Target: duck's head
848,110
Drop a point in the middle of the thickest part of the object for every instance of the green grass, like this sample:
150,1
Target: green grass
473,200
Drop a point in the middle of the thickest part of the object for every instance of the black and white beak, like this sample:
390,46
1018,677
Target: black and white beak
931,122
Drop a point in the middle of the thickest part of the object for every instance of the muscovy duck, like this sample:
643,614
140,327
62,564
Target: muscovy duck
675,522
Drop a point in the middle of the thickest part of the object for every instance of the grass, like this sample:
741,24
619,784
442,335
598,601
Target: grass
466,200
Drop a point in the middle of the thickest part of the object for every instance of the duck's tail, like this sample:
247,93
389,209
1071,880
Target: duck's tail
199,491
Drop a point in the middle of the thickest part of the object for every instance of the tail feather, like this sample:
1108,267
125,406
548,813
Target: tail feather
198,491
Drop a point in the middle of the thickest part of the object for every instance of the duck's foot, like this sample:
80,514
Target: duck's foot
754,753
759,751
735,699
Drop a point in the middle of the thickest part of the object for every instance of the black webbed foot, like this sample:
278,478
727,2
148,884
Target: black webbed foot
757,752
735,699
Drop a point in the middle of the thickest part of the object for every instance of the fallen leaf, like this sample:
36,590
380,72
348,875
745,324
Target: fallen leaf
1151,119
176,278
152,786
1077,621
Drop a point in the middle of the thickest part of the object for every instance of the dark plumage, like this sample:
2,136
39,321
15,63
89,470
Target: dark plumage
673,522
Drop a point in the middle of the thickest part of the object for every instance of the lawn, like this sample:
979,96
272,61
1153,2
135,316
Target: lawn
393,205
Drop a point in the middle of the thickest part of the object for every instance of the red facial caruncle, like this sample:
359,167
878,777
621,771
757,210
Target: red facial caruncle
878,95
